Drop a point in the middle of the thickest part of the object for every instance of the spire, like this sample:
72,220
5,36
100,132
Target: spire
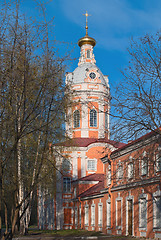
87,15
86,39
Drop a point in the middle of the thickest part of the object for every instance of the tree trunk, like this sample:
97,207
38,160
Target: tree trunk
6,218
28,210
0,199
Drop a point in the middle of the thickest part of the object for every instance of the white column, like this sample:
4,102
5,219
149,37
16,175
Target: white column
101,131
75,165
83,164
84,130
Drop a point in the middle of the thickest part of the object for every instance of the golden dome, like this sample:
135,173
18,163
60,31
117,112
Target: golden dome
86,40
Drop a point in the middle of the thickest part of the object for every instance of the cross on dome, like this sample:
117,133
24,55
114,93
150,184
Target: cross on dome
86,15
86,39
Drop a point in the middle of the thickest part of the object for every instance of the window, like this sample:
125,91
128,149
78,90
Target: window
86,215
119,171
157,212
130,170
108,213
93,118
118,214
144,164
100,208
88,53
92,165
80,218
76,216
93,215
158,162
66,184
142,213
76,118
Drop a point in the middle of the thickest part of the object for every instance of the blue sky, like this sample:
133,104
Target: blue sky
112,23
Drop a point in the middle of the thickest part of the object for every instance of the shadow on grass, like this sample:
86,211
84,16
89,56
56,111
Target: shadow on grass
63,233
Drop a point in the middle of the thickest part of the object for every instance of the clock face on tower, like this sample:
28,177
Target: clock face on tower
92,75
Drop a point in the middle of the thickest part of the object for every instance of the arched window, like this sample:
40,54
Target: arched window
76,118
93,118
88,53
144,164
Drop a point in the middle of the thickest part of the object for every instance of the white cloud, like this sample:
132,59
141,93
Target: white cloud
113,22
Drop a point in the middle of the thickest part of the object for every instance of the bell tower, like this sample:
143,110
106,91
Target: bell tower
91,101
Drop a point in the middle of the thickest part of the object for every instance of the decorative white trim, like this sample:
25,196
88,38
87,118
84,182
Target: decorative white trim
116,202
100,214
108,213
136,184
94,161
141,197
156,195
93,215
131,148
133,217
86,215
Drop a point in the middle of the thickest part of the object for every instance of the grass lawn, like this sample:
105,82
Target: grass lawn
72,232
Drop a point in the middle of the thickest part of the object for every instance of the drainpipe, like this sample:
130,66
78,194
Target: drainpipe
111,195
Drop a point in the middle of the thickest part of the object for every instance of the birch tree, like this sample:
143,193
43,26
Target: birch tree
32,106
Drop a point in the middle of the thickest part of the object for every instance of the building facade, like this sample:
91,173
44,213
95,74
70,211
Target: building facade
101,184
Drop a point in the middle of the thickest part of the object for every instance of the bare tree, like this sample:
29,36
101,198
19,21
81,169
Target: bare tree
33,99
137,99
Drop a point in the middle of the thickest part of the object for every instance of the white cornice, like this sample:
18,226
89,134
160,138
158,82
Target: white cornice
134,147
92,196
136,184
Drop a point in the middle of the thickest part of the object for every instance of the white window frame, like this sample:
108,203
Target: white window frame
93,118
156,222
88,53
158,162
66,184
86,215
118,199
76,119
144,164
100,214
76,216
91,165
108,213
130,197
80,215
142,221
130,169
119,171
93,215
